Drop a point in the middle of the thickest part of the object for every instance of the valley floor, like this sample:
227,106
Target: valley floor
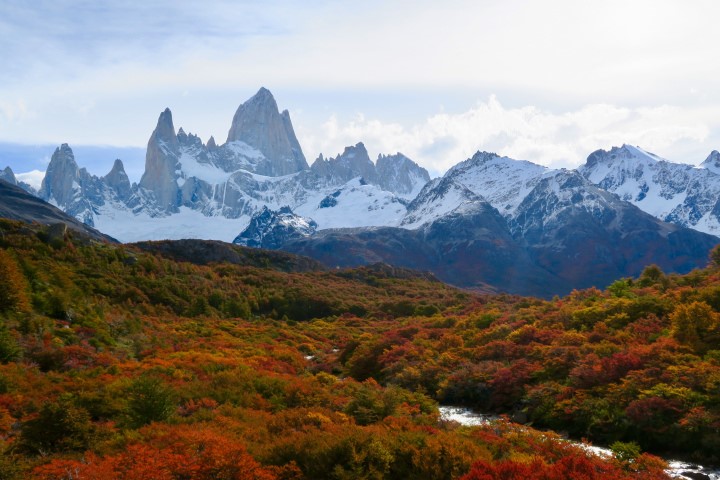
122,363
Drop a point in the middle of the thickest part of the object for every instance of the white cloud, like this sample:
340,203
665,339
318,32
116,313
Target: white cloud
33,178
12,111
100,73
554,139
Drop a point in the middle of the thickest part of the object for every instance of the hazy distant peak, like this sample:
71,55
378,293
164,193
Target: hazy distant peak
8,175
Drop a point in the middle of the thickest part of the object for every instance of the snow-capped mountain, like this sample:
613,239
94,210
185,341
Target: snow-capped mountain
271,230
673,192
490,220
77,192
518,226
188,184
501,181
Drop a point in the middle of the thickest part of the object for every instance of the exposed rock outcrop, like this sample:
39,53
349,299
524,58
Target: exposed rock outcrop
272,229
118,180
353,162
400,175
259,124
69,187
161,164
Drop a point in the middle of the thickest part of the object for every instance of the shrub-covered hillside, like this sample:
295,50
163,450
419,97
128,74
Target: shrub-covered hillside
121,362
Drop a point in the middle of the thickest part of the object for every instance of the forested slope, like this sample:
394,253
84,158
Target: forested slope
119,362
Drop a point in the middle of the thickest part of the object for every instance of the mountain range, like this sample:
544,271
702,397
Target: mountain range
490,222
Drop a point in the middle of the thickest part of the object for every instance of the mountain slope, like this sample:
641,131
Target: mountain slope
187,183
558,232
470,247
17,204
677,193
587,236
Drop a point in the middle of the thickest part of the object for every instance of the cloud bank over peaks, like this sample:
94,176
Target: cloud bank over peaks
555,139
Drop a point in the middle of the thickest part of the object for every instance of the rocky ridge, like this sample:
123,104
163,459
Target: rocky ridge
186,182
681,194
271,230
490,220
557,231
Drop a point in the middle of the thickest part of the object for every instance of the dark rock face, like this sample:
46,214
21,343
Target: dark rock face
17,204
471,247
270,229
9,176
587,236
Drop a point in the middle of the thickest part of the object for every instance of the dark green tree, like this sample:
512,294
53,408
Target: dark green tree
149,400
9,348
59,427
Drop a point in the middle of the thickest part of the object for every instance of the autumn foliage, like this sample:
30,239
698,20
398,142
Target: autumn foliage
117,362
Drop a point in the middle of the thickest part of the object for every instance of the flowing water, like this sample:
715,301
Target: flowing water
676,469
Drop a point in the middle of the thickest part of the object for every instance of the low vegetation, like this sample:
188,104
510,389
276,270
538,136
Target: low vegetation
119,363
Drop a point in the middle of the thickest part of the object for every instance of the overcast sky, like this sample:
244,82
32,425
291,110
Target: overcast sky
545,81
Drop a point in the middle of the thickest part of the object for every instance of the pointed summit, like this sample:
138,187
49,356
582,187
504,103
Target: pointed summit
165,131
259,124
625,152
712,162
8,175
118,180
400,175
353,162
62,177
65,185
161,163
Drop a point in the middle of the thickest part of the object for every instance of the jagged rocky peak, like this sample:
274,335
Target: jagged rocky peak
482,157
211,143
272,229
437,198
118,180
165,131
397,173
712,162
625,152
62,178
259,124
353,162
8,175
161,163
478,161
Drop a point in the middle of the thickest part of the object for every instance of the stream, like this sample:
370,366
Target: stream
676,469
